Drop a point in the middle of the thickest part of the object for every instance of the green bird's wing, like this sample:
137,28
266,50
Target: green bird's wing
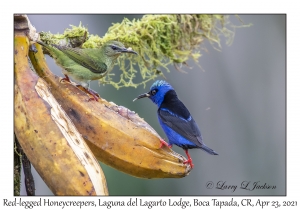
85,58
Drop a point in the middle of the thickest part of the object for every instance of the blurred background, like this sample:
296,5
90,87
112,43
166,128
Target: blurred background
238,99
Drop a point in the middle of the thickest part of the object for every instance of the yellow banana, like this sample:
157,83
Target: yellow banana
47,135
116,136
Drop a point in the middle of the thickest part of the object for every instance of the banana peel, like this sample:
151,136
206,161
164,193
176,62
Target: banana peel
117,136
47,135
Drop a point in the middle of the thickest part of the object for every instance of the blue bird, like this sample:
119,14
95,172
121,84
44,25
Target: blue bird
175,119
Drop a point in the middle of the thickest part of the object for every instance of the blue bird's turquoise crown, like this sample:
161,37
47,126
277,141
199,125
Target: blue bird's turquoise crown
159,83
162,88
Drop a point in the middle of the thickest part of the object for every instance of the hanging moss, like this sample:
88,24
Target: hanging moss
160,40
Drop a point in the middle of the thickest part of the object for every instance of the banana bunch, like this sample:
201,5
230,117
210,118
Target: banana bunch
47,135
63,133
117,136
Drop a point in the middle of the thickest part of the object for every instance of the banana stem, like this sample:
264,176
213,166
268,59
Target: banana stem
17,167
28,178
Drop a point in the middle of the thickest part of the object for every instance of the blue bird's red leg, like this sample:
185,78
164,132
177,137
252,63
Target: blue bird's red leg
189,160
162,143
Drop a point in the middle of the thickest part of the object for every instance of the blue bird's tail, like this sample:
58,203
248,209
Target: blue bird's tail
208,150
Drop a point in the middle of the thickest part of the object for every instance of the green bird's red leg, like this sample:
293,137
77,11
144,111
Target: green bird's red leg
95,95
189,160
67,79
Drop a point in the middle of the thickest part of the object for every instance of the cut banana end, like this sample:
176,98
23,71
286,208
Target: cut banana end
47,135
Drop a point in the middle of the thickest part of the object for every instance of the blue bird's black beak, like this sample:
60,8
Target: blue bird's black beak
144,95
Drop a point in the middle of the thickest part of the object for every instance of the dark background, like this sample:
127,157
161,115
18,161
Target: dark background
238,102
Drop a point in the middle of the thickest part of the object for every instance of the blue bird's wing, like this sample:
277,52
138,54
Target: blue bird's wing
186,127
84,58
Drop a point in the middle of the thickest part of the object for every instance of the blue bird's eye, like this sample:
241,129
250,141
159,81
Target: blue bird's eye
153,92
113,47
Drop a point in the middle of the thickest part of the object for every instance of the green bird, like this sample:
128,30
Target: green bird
84,65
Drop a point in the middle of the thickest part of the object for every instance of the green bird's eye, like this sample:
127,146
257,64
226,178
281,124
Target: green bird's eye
114,47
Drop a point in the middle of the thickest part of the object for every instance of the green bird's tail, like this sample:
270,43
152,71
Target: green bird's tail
54,51
42,43
50,47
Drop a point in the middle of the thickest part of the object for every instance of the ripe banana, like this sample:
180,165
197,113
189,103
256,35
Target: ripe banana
116,136
47,135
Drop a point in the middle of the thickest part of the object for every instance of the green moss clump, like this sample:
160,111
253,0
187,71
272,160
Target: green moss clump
72,37
160,40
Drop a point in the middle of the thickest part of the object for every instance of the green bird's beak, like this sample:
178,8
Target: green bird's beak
128,50
144,95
